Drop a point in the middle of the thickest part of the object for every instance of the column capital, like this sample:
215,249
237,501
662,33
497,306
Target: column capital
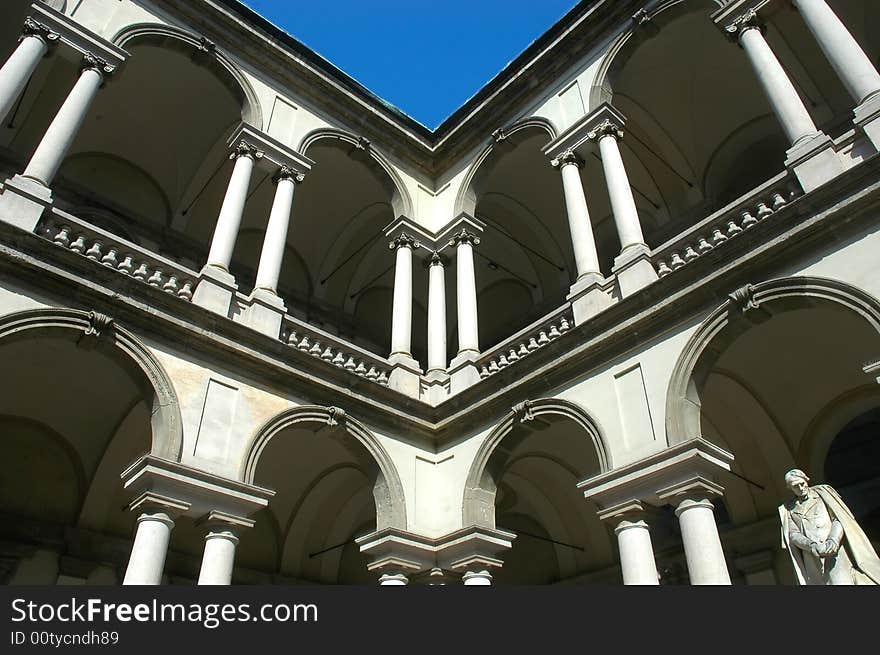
218,521
436,259
404,240
91,61
33,27
695,491
748,20
153,505
288,173
606,128
565,158
245,149
464,236
629,511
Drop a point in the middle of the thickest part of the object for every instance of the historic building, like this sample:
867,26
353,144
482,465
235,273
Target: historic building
258,326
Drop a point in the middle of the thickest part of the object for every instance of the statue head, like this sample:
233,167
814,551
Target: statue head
797,480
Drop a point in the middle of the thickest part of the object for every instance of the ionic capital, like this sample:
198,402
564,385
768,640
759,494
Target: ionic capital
464,237
436,259
566,158
35,28
101,66
606,128
404,240
244,149
288,173
746,21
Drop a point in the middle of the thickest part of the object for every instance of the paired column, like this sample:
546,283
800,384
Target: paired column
582,240
56,142
623,205
275,240
634,543
702,545
221,542
393,580
477,578
436,314
16,72
846,57
401,311
783,97
468,326
153,534
232,210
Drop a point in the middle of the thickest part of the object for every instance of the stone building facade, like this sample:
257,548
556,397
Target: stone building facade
258,326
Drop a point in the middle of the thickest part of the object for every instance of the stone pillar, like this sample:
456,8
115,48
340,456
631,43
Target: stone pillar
466,293
401,311
275,240
634,543
221,541
436,315
846,57
232,210
33,45
812,156
147,561
56,142
477,578
586,296
582,241
702,545
393,580
632,266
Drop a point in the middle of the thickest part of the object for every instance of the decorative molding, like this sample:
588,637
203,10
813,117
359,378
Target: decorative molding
522,412
206,45
606,128
335,416
641,17
464,237
567,157
743,298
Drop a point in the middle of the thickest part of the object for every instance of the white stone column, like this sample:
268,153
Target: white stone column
221,541
436,314
582,239
393,580
22,63
783,97
56,142
702,545
275,239
623,205
477,578
229,220
636,552
846,57
147,561
401,309
468,322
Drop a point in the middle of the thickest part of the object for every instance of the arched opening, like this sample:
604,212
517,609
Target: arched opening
525,480
776,376
333,483
76,409
700,131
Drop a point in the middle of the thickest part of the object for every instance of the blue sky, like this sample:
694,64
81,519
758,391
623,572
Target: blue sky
425,57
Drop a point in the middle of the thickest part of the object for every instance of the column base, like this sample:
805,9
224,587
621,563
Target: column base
215,290
867,118
265,312
405,375
814,161
587,297
463,371
634,269
23,202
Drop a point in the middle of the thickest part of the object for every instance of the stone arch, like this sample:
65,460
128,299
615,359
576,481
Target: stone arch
231,75
387,489
126,350
726,323
466,200
480,487
401,202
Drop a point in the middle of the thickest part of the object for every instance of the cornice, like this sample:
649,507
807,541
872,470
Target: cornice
248,37
799,228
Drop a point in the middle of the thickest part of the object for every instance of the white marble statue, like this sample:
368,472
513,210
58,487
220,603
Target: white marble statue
826,545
